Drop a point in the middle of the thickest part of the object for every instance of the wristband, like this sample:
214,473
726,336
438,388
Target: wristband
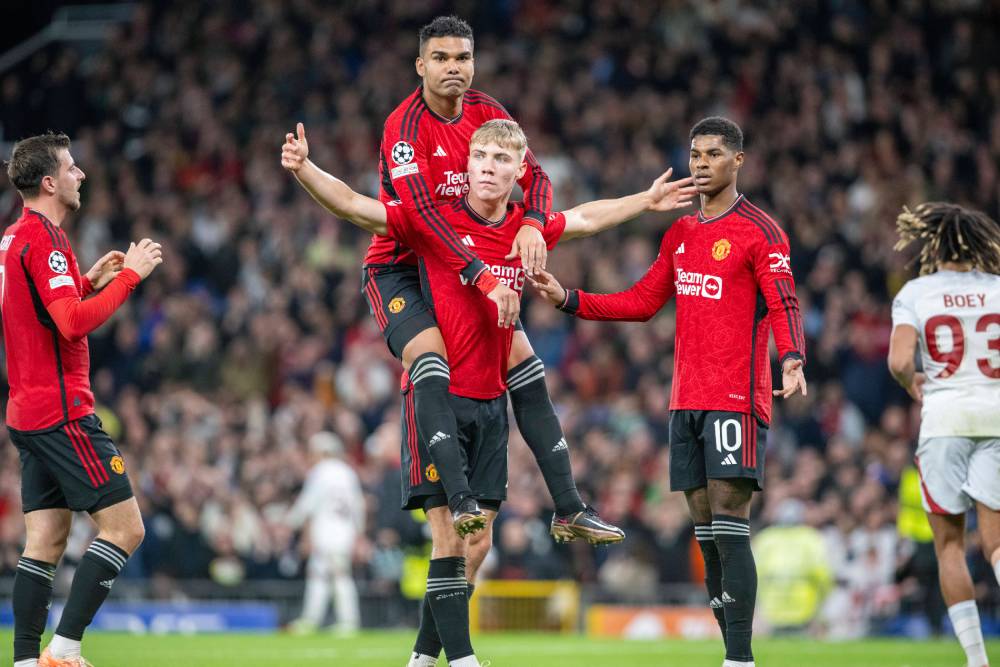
531,222
487,282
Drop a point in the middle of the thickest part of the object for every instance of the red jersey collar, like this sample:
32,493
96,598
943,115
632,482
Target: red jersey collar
702,219
480,219
438,117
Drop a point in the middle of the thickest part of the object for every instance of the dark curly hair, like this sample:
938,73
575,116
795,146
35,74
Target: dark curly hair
732,135
445,26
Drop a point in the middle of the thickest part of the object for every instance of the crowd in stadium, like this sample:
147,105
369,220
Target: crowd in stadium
253,334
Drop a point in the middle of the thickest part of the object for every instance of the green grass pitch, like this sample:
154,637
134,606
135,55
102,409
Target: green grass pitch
390,649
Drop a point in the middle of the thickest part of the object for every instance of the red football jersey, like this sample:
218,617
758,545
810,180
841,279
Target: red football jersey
424,159
733,283
49,375
477,348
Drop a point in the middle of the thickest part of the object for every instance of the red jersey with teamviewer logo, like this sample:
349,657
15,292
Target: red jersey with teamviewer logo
733,283
49,375
424,158
477,348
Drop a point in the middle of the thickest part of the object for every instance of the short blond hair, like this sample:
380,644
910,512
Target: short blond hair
502,132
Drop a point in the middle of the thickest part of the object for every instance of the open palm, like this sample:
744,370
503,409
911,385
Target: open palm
667,195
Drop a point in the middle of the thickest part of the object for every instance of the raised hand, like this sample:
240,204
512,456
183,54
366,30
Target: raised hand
143,257
105,269
295,150
665,195
550,289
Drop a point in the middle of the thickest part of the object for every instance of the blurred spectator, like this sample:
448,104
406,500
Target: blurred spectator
253,336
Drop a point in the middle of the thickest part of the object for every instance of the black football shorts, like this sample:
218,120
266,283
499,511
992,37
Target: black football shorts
709,444
396,300
75,466
482,436
397,303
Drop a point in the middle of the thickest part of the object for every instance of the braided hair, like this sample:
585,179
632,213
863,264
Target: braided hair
950,233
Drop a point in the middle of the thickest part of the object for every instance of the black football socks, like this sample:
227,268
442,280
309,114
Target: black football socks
713,572
540,427
448,596
95,575
739,583
436,424
31,598
428,642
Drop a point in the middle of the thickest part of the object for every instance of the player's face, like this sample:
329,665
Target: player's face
493,170
68,180
446,66
713,165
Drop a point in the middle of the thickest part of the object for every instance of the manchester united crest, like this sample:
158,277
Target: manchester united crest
721,249
431,473
397,304
118,464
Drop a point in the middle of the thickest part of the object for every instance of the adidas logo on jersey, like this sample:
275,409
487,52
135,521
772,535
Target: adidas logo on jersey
440,152
561,445
726,599
729,460
438,437
107,583
680,250
715,603
467,240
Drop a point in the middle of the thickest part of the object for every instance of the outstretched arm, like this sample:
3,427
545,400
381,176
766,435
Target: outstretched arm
636,304
597,216
330,192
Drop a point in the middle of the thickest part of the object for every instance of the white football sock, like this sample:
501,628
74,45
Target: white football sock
421,660
316,599
345,597
30,662
965,620
468,661
61,647
737,663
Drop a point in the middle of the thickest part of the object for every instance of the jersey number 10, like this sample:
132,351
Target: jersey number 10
953,357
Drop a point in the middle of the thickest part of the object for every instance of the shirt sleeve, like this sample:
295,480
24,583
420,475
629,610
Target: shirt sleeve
399,226
636,304
50,269
904,309
535,183
405,157
75,318
772,267
554,228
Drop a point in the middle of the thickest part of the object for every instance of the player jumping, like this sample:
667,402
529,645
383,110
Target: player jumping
478,349
422,161
68,463
728,267
953,312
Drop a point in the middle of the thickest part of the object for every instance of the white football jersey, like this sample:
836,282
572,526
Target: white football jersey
332,499
957,314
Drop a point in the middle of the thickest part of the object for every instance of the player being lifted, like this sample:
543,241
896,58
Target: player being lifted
423,161
68,463
477,348
952,311
728,267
